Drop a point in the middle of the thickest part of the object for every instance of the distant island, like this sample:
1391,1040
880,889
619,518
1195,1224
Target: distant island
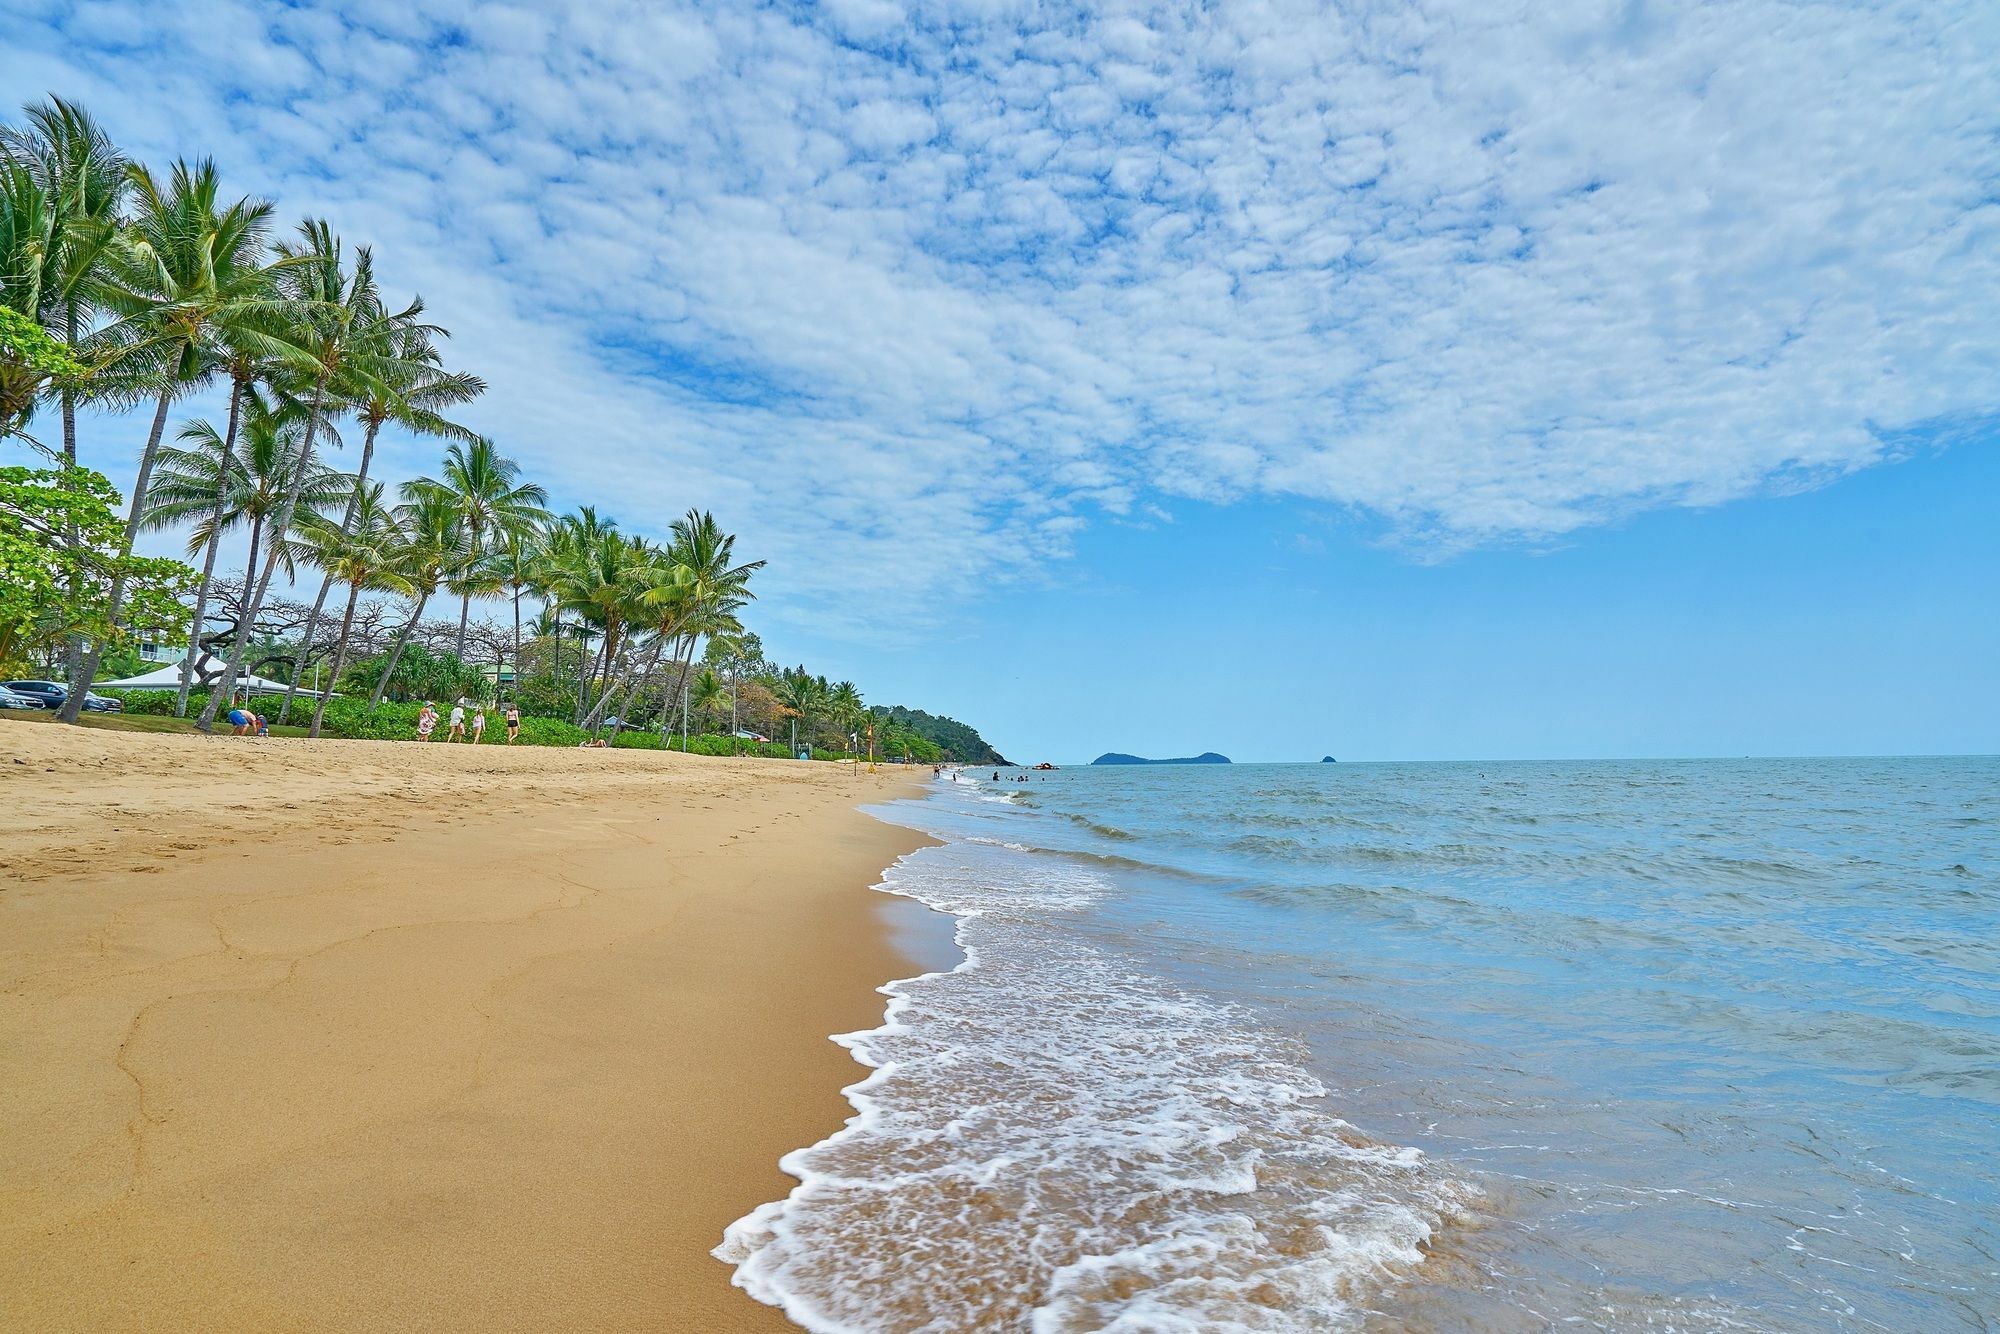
1328,759
1206,757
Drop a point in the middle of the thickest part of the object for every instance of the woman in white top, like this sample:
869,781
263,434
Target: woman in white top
457,732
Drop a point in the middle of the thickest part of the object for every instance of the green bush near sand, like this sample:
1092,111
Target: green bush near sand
151,703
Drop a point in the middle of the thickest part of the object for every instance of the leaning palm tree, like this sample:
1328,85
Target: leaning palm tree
220,488
491,499
365,552
433,545
410,389
83,179
339,330
689,590
190,274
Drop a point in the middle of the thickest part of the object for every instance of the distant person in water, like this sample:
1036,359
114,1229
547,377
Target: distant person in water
513,722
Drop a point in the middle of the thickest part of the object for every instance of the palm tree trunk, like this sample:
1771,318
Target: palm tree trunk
629,684
339,656
214,545
514,691
73,645
389,670
326,580
464,612
255,604
86,671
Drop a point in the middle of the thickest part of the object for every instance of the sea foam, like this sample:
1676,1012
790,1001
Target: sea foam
1052,1139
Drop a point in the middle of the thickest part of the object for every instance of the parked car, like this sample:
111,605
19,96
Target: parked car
14,699
51,694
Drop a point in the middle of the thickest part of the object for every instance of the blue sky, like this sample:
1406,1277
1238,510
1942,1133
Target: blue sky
1460,379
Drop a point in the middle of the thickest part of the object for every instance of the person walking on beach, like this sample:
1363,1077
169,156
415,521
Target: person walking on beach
427,721
457,732
513,721
478,723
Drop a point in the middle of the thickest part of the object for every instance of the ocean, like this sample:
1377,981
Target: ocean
1677,1045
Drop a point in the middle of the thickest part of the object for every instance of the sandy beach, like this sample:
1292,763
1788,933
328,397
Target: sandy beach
356,1034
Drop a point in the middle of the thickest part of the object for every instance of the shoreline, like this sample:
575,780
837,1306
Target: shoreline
296,1036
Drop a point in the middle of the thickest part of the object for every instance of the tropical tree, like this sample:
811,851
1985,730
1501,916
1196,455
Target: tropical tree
803,696
690,589
708,693
517,560
843,705
365,553
190,274
80,180
433,544
221,489
410,389
342,336
491,500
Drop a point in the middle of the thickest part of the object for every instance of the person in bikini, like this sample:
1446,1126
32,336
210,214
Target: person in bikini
513,722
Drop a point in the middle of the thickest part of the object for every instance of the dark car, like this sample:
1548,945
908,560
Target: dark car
51,694
14,699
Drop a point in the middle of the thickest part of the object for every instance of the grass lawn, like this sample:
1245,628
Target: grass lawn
118,722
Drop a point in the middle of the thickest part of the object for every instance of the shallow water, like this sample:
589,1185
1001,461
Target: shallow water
1695,1044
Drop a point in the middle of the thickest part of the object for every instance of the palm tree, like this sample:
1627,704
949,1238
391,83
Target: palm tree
707,694
689,590
517,560
365,552
190,274
843,704
219,489
803,696
434,543
83,179
341,335
29,356
491,500
410,389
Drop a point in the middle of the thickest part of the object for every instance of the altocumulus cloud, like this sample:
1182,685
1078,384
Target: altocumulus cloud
969,274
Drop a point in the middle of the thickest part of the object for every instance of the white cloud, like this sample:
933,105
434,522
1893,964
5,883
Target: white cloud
954,278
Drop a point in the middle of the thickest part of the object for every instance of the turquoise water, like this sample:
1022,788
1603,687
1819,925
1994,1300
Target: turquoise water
1676,1044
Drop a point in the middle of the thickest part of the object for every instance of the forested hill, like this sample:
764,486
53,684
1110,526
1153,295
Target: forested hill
958,741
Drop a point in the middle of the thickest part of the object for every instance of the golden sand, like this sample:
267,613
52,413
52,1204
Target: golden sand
302,1035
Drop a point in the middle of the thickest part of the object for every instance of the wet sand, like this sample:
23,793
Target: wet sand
365,1034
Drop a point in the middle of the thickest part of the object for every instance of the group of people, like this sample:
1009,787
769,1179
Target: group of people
427,721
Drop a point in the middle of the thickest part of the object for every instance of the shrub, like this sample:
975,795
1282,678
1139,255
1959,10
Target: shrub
544,732
353,718
420,675
153,703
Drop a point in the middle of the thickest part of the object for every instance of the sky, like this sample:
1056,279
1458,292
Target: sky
1457,379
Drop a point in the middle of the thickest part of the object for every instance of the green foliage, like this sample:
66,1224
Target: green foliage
931,738
25,347
61,546
420,675
152,703
351,717
543,732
